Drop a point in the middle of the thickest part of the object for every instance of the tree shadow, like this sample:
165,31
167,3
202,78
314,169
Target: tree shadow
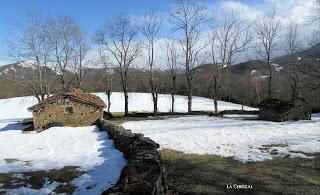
13,126
108,171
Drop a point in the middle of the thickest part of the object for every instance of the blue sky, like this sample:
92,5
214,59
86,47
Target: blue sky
90,14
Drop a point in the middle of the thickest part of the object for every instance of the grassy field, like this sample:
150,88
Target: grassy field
210,174
37,179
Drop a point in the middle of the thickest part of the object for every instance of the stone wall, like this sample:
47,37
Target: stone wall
145,172
265,114
293,114
82,114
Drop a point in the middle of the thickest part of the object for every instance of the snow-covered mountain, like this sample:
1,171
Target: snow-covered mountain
21,70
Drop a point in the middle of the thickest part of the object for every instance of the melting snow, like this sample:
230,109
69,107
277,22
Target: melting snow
16,108
253,72
57,147
277,67
240,137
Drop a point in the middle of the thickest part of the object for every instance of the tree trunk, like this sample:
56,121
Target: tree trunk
189,97
189,103
173,93
269,79
126,98
155,102
242,101
109,100
215,101
172,102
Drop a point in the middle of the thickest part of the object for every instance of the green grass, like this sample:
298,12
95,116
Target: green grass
37,179
210,174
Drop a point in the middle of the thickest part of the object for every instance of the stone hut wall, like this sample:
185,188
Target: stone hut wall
265,114
66,112
299,113
145,172
295,113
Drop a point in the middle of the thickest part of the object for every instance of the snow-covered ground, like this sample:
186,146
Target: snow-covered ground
16,108
244,138
83,146
57,147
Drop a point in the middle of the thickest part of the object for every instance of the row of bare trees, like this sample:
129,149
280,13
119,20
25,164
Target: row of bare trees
59,44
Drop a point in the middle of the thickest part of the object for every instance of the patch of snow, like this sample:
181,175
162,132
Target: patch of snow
264,76
16,108
239,137
46,189
277,67
308,147
253,72
28,64
19,176
6,70
142,102
57,147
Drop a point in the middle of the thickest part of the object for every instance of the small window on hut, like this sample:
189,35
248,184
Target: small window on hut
69,109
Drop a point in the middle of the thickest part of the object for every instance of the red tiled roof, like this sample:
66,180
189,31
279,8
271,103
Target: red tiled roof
76,94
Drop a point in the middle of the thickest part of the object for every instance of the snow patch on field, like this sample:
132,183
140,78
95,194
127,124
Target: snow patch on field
57,147
16,108
244,138
142,102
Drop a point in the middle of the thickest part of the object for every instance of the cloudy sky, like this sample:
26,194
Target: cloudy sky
90,14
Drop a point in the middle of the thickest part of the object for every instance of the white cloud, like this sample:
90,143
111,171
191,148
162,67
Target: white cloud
247,12
298,11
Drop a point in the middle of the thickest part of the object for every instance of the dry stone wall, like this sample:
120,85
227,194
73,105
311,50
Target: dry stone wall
145,172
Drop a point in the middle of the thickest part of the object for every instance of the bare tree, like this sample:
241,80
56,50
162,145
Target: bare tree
119,38
292,47
107,75
31,44
82,47
171,61
150,29
64,34
256,81
188,17
267,31
230,37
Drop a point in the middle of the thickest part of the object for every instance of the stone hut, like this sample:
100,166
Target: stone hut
72,108
279,110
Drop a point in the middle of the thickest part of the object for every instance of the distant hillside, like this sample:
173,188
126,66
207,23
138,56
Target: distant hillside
21,70
248,77
307,57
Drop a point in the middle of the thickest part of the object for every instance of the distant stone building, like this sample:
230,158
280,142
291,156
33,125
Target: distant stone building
279,110
73,108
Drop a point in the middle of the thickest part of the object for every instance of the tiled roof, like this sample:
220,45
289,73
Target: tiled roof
73,94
